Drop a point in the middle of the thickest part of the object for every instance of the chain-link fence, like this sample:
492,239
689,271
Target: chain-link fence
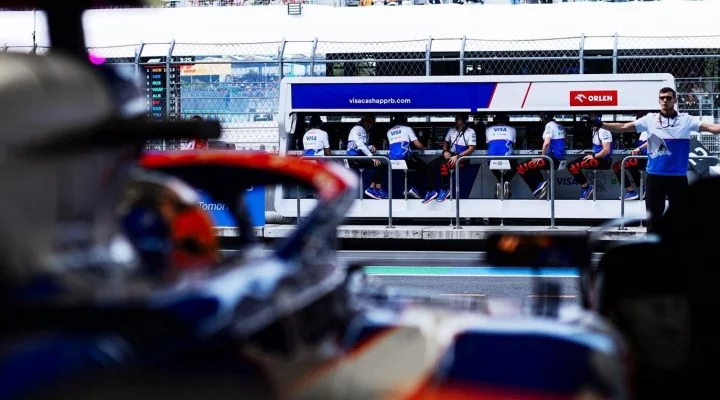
238,83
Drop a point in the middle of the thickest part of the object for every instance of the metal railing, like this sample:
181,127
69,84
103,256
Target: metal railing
622,182
514,157
384,159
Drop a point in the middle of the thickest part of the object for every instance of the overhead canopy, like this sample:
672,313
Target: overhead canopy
526,93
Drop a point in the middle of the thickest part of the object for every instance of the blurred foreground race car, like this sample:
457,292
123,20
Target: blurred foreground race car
415,344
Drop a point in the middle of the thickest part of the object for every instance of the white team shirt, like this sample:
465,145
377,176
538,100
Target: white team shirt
668,142
357,142
460,141
315,141
399,139
500,140
601,136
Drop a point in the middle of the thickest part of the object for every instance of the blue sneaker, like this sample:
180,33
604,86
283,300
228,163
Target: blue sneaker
540,190
444,194
586,192
372,193
381,193
414,193
430,196
631,195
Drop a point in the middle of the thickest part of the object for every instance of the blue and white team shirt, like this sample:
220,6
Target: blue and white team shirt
668,142
500,140
315,141
357,142
601,136
399,139
556,133
641,141
460,141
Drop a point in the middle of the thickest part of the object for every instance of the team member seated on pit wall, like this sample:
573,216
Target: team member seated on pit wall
358,146
399,137
634,166
315,140
600,158
460,141
554,147
500,138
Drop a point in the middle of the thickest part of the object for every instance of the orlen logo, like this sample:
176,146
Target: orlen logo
590,98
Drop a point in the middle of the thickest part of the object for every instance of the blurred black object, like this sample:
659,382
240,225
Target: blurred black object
538,250
661,296
541,251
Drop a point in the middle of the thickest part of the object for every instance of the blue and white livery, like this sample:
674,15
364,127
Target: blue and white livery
399,139
601,136
641,141
315,141
500,140
668,142
357,142
460,141
556,133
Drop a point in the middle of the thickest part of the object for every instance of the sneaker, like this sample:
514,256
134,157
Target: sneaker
414,193
540,190
644,192
444,194
372,193
506,190
631,195
430,196
497,190
381,193
586,192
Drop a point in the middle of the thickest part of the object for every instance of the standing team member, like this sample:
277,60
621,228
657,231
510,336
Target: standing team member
357,145
500,140
634,166
400,136
600,158
554,147
460,141
668,155
315,140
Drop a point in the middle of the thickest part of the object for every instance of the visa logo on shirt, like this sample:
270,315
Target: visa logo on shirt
311,138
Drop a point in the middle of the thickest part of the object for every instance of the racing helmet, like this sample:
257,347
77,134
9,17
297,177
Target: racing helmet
163,219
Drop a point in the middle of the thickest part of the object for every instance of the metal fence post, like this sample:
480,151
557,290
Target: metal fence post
428,55
281,54
462,55
312,57
582,54
514,157
615,53
168,81
383,158
138,54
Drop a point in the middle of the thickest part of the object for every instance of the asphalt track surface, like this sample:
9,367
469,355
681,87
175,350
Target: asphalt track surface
460,274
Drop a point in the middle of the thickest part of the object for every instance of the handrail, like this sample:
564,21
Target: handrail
384,159
622,183
513,157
